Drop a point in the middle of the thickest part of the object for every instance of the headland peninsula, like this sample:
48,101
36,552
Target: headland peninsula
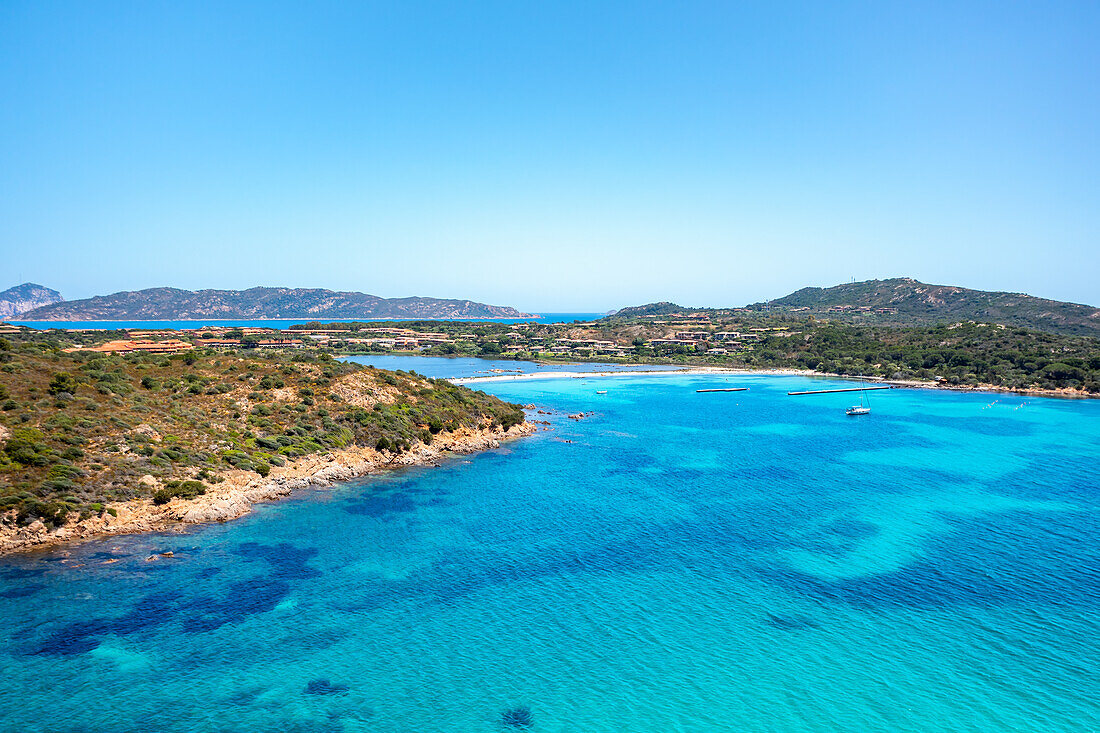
95,442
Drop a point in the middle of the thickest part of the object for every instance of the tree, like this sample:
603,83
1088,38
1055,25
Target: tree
62,382
1059,371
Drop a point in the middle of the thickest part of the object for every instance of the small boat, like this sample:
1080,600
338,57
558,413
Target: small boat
601,391
860,409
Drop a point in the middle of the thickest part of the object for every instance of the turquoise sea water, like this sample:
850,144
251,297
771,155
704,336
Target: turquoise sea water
674,562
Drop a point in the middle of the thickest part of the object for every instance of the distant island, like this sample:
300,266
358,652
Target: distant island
26,297
169,304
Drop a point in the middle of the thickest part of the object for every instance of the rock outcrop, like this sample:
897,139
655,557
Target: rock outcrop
25,297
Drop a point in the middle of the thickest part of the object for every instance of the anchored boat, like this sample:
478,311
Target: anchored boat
861,408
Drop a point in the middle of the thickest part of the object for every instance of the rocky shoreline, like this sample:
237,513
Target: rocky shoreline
235,496
1066,393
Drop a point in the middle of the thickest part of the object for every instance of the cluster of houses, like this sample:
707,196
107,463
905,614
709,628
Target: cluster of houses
576,347
270,343
169,342
723,341
398,339
694,333
175,346
695,336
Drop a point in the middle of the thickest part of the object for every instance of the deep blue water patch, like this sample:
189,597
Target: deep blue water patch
20,571
236,604
74,638
381,505
322,686
22,591
107,555
520,717
83,636
284,559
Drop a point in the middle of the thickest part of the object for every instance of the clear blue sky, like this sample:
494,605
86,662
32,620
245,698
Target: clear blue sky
557,156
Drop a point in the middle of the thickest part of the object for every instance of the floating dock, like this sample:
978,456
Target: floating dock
725,389
845,389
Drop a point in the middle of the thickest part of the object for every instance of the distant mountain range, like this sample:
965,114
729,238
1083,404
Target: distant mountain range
170,304
25,297
908,302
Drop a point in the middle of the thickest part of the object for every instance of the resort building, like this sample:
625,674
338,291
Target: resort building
692,335
147,347
674,342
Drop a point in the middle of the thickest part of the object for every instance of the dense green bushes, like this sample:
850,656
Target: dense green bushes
966,353
178,489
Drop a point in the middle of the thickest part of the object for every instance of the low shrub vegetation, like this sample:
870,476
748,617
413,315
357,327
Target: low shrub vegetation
84,428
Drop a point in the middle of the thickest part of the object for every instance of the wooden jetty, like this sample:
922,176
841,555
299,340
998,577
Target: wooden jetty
845,389
725,389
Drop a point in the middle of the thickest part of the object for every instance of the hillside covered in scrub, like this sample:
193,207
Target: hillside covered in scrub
81,430
908,302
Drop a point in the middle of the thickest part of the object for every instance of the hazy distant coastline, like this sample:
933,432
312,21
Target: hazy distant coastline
259,303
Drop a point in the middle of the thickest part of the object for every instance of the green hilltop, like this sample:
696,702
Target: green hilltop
663,308
908,302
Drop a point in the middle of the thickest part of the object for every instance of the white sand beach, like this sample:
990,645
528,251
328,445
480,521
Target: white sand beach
687,372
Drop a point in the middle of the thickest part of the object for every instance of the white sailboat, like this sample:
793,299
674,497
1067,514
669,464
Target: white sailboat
861,408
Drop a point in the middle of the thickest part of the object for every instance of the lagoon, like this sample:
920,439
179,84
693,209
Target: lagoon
465,367
674,562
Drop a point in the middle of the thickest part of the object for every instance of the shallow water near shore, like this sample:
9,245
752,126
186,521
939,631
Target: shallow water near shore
460,367
674,562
